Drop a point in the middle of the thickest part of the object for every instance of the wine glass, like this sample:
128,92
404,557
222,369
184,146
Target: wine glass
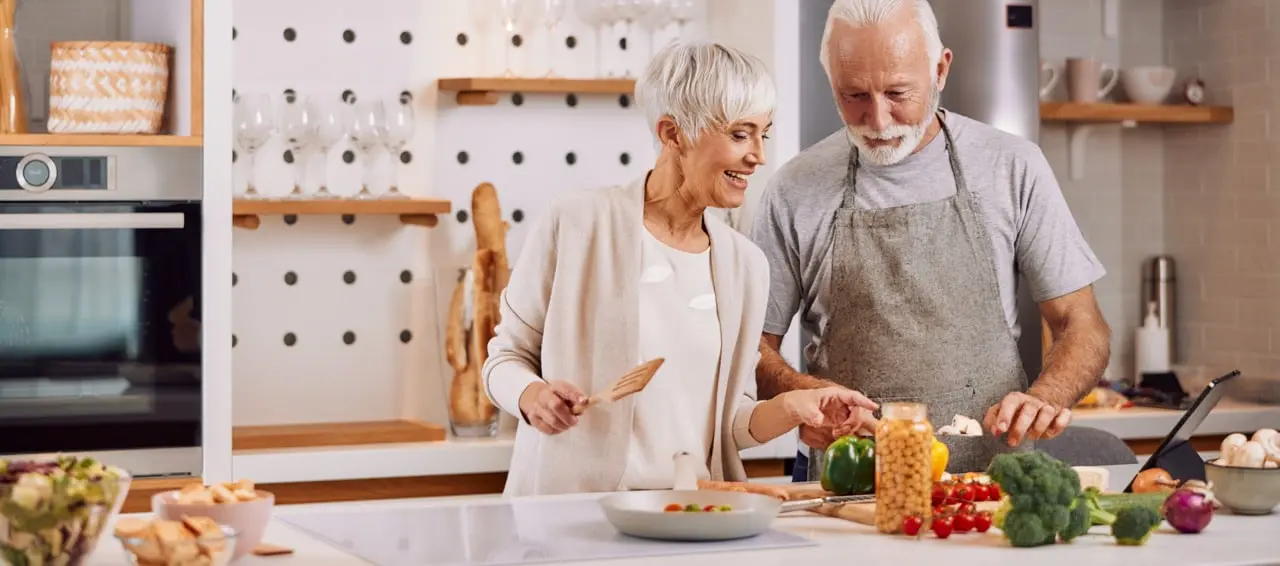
655,15
254,126
598,15
553,12
297,127
367,131
512,12
682,11
629,11
481,17
331,124
398,132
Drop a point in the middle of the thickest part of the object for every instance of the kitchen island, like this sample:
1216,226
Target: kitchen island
1228,539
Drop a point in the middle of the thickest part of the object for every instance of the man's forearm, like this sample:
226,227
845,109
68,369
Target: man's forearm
775,376
1075,363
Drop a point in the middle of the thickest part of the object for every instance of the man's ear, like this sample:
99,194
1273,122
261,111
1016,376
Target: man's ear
944,68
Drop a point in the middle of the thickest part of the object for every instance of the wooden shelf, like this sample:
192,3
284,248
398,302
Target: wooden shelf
1134,113
107,140
483,91
1082,119
415,212
277,437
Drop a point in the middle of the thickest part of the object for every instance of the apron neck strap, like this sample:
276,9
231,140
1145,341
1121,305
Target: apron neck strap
851,172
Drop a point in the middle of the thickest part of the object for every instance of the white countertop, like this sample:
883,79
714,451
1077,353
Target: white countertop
474,456
1228,540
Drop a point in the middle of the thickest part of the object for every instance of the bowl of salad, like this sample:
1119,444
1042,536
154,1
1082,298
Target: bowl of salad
52,511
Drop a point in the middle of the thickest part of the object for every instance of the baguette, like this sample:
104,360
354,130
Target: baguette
455,334
746,487
491,232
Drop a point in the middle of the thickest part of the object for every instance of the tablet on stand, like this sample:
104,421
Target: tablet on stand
1176,455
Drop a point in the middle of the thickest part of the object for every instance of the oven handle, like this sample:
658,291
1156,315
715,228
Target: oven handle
93,221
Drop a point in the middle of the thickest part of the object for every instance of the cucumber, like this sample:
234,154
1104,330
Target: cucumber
1112,502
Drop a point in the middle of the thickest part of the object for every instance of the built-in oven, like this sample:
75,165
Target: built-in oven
100,305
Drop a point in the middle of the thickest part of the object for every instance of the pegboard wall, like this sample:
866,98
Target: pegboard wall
342,317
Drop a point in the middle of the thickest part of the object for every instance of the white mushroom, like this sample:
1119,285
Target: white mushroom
1230,445
948,430
1250,455
1270,441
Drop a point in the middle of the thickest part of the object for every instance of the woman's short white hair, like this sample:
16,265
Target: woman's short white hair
863,13
701,84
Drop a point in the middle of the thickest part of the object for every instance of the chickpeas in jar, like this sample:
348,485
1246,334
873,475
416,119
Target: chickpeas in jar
904,477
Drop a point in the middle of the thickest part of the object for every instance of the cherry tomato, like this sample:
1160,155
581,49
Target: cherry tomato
993,492
982,522
672,507
911,525
941,527
979,492
963,522
710,508
967,509
962,493
939,495
940,511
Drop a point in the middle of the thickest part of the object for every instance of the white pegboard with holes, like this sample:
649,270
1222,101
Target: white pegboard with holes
340,319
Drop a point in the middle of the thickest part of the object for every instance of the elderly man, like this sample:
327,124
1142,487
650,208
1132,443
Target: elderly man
900,238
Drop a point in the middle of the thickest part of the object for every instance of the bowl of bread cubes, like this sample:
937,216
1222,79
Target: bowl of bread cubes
237,505
193,541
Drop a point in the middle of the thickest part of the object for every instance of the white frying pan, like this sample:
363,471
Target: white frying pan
642,513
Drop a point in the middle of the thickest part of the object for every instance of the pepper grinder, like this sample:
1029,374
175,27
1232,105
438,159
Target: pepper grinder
1158,286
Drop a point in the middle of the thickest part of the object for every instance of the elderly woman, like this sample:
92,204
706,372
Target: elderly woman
610,278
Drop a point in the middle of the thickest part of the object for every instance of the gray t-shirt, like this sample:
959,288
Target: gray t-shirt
1031,228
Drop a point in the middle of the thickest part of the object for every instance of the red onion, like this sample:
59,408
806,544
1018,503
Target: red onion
1190,507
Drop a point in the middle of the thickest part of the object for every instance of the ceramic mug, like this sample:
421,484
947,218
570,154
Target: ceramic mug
1085,82
1047,84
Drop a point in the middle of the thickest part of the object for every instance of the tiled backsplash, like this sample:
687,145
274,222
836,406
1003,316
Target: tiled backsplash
1119,202
1222,191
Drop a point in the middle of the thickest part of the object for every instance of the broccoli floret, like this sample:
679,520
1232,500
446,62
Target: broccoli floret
1042,495
1134,525
1081,519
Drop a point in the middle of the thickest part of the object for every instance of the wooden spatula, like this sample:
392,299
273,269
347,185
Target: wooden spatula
632,383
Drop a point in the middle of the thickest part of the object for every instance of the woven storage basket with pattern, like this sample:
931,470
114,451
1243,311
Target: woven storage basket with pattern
108,87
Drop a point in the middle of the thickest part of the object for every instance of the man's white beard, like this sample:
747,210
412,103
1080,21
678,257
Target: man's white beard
910,137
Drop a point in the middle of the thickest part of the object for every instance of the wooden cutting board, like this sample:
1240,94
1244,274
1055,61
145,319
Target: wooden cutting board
861,513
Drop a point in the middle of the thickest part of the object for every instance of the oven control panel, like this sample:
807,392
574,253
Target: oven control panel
37,172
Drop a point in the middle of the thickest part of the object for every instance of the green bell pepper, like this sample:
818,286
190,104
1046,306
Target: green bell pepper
849,466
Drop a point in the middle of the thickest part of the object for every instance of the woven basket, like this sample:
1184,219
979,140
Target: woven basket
108,87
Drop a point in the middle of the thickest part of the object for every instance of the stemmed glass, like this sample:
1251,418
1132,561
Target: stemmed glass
254,126
297,127
628,11
398,132
511,13
481,17
656,15
331,122
367,131
682,11
553,11
599,15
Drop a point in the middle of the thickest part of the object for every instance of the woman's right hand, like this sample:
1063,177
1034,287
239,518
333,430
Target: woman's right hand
548,406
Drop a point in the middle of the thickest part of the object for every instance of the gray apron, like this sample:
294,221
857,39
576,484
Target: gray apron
916,314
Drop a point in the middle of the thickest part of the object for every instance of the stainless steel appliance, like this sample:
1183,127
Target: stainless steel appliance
995,78
1159,283
100,305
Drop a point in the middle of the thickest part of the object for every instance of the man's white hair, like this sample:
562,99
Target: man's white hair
701,84
864,13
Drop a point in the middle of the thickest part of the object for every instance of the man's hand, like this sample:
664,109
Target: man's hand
549,406
829,413
1024,416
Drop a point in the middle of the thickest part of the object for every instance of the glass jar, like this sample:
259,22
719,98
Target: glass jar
904,479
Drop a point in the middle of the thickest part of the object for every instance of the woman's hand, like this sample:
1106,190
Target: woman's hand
548,406
838,410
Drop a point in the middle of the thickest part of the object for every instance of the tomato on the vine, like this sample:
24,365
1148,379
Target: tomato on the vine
911,525
941,527
967,508
982,522
963,522
962,494
979,492
939,495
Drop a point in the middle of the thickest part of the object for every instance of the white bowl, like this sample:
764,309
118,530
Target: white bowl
640,514
1148,84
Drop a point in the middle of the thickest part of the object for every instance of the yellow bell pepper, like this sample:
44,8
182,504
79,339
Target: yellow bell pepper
938,459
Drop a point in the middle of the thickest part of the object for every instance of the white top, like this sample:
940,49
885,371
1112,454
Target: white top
678,322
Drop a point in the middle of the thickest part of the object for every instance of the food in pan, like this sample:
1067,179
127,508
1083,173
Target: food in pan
695,508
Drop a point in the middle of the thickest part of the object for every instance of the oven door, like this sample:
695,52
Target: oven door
100,332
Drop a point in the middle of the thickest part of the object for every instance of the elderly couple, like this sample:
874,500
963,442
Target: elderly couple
898,239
